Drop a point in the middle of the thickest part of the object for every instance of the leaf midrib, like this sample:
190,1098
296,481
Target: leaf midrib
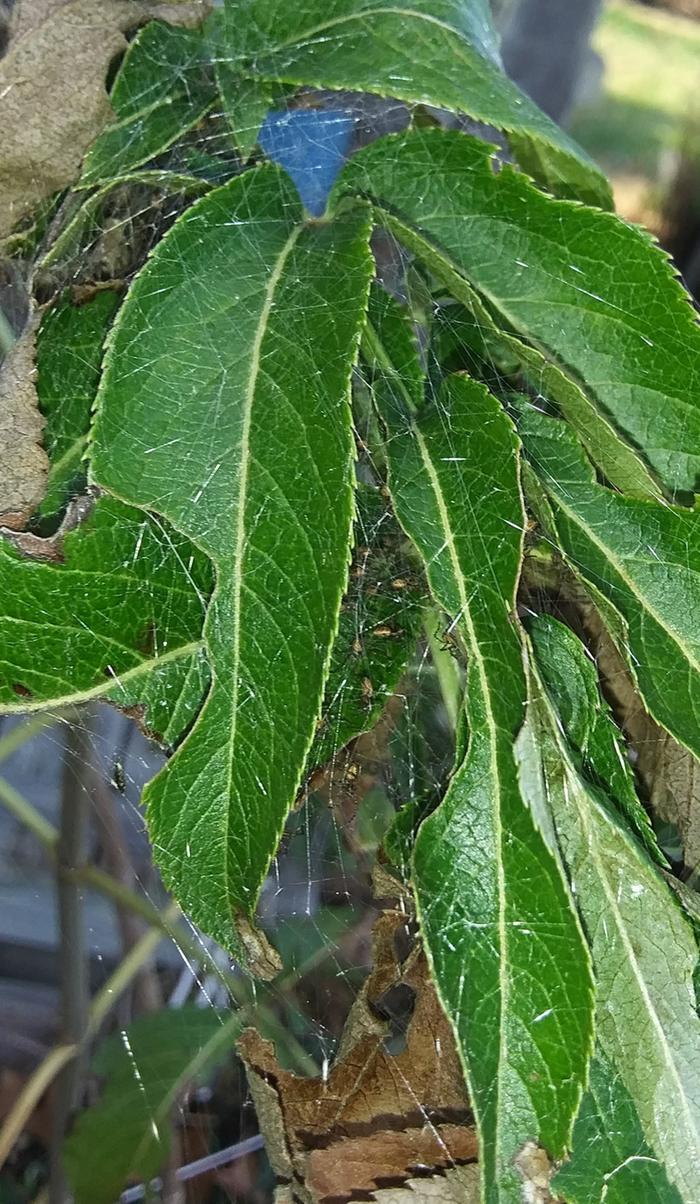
474,649
146,666
609,555
378,349
240,527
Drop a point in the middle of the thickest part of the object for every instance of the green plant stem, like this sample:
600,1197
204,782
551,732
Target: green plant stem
23,732
61,1055
44,831
70,852
29,1098
167,925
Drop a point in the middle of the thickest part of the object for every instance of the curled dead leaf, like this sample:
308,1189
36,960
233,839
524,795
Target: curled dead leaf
24,464
459,1185
53,100
50,548
378,1121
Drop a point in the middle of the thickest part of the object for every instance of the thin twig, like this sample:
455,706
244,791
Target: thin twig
73,978
25,731
23,810
58,1057
189,944
147,993
30,1096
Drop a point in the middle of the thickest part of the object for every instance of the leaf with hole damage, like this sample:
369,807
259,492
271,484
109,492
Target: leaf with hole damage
442,53
225,408
591,293
644,950
489,892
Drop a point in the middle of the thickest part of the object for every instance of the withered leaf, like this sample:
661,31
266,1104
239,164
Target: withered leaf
378,1119
23,462
53,100
459,1185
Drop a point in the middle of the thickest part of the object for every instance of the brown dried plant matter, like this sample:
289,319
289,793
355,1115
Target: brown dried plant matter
375,1124
53,100
23,462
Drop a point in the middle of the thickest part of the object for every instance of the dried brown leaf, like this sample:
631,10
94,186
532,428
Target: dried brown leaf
24,464
53,100
536,1170
378,1119
459,1185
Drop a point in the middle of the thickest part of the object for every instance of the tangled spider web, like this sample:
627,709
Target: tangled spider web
323,896
318,905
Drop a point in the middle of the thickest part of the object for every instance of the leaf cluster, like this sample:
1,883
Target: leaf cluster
527,397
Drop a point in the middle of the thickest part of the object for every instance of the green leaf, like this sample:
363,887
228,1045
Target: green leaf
246,103
489,892
589,292
224,408
644,950
642,558
467,335
120,618
610,1159
163,88
68,358
441,52
145,1069
379,622
590,730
